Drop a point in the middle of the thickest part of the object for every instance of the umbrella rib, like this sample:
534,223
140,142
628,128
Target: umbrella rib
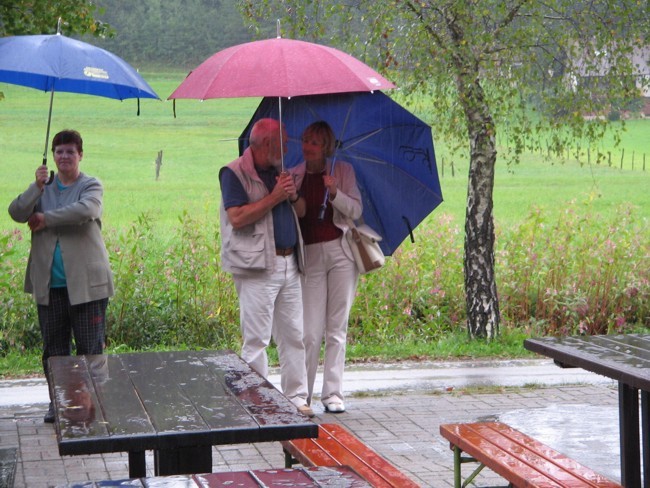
360,139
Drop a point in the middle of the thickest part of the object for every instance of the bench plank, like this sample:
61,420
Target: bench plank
336,446
520,459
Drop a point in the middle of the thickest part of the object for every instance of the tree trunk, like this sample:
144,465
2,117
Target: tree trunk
480,285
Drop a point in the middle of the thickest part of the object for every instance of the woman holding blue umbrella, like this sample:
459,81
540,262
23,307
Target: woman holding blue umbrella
68,271
331,276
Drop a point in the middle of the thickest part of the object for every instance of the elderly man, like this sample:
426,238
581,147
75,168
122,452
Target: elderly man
262,248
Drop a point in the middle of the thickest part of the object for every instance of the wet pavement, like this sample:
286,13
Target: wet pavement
394,408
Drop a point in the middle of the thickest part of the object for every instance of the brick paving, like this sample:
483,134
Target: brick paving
402,426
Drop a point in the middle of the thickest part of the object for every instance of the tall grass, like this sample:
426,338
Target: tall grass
577,274
572,244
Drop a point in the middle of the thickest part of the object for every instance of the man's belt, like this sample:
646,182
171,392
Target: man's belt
284,252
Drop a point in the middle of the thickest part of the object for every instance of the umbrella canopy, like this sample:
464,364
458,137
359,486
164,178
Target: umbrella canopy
390,149
58,63
278,68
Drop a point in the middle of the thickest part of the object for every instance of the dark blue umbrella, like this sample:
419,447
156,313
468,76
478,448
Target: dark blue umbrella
57,63
390,149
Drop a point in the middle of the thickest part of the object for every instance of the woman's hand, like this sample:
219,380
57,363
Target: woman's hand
42,176
36,222
330,183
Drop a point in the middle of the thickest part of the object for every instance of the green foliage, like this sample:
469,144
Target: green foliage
18,323
170,294
577,274
418,295
169,33
581,274
20,17
541,65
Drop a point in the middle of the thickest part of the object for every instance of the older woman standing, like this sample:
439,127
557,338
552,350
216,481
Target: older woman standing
68,271
331,276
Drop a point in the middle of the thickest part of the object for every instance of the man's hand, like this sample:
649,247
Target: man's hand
288,186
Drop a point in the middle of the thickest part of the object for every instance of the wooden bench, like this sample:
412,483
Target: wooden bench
520,459
8,459
336,446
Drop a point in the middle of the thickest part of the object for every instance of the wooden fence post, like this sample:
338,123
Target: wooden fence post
622,156
158,164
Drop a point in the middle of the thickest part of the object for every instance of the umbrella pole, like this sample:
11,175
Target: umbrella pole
323,207
47,137
281,137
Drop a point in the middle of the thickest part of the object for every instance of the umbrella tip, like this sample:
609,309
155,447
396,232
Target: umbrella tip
278,29
58,27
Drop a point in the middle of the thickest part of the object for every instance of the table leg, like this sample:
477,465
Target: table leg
645,445
628,410
183,460
137,464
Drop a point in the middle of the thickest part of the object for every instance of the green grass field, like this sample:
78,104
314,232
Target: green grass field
121,148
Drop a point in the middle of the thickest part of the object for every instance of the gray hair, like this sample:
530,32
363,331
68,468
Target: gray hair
261,129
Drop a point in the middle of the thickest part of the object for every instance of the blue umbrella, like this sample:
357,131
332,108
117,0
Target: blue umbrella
57,63
390,149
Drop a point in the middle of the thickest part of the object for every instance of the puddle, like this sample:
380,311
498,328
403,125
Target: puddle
586,433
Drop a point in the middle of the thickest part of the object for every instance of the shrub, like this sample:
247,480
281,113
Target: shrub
579,274
18,322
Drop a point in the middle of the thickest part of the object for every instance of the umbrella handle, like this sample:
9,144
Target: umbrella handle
47,133
51,178
323,207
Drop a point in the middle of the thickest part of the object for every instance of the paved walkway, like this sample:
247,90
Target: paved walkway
572,411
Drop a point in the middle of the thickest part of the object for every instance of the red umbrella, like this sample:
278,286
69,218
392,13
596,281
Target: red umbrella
279,68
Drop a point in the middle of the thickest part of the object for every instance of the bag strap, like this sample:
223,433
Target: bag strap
368,264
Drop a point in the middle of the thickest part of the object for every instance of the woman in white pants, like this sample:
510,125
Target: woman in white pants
330,279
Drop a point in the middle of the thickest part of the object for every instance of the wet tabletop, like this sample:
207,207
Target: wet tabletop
163,400
624,358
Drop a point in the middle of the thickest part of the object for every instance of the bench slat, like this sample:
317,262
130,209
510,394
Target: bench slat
336,446
520,459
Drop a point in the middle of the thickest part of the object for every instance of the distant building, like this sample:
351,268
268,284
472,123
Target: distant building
590,71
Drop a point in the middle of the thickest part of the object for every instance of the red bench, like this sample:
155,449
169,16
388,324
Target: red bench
336,446
520,459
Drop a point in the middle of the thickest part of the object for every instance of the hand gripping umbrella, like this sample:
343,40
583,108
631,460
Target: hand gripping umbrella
278,68
390,149
58,63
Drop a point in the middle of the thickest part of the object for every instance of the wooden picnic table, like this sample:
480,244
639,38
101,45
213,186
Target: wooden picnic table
626,359
178,404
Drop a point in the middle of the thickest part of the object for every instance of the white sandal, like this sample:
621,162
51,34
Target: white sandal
334,405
